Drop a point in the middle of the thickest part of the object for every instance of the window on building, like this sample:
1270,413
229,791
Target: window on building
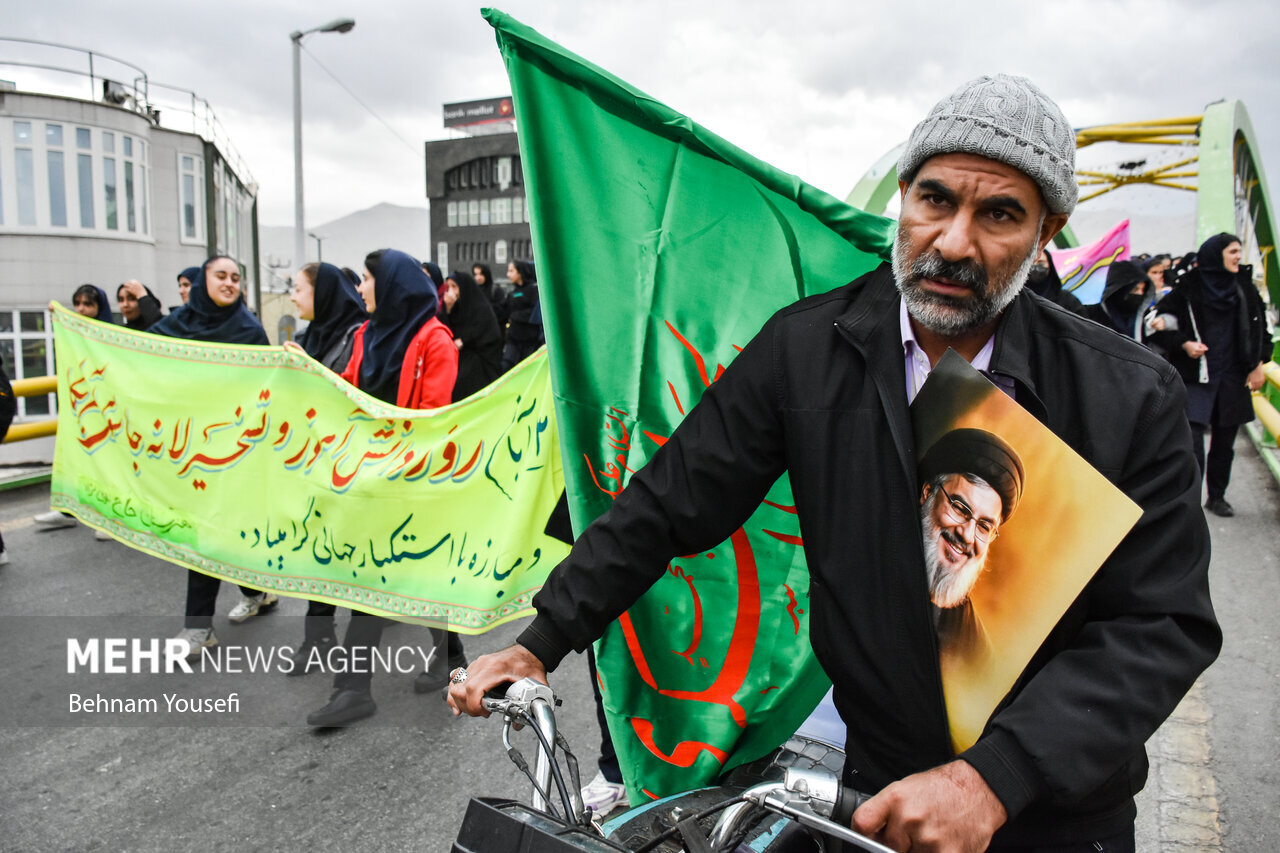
24,173
108,142
504,172
517,209
56,166
501,211
451,215
442,255
500,252
128,146
191,197
142,197
484,211
84,163
473,212
517,172
57,189
26,344
130,220
451,179
109,191
473,171
84,139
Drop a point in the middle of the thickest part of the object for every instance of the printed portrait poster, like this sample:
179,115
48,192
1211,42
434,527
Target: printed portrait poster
1066,519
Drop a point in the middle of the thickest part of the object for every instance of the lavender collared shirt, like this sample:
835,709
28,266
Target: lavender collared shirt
917,363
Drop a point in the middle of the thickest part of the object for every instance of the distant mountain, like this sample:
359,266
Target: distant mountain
347,240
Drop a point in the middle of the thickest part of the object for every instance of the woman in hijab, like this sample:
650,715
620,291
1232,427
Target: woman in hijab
138,305
326,298
89,300
1125,298
1219,344
1156,267
524,332
215,313
185,278
467,313
402,355
493,291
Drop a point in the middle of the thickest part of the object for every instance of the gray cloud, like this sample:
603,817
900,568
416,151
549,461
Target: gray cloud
817,88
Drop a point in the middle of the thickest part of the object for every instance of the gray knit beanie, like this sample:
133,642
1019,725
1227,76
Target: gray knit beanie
1002,118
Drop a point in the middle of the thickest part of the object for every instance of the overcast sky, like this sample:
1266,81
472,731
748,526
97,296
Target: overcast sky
821,89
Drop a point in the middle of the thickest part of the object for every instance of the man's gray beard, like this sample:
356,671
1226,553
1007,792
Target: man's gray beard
942,315
946,589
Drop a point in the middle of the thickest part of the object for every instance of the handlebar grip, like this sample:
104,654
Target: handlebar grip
847,803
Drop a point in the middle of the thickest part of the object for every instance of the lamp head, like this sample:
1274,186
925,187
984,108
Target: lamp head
341,25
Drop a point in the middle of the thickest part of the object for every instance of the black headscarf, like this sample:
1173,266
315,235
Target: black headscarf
189,274
149,310
1122,277
982,453
1219,285
202,319
437,277
528,275
473,322
337,307
404,300
104,306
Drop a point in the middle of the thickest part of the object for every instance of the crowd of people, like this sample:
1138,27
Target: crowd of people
1203,314
401,331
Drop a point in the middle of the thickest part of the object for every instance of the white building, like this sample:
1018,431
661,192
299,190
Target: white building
99,192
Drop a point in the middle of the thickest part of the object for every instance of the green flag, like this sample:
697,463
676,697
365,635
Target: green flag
662,249
259,466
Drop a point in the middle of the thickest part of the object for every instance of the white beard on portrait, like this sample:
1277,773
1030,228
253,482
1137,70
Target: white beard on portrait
947,588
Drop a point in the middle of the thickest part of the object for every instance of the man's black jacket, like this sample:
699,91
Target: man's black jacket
820,392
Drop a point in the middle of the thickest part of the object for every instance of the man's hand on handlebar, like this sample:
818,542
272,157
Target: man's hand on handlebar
948,808
491,671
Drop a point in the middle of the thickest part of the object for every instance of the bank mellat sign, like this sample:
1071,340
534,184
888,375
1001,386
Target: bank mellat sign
478,112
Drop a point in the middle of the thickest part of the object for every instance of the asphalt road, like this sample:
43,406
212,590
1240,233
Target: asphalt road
260,779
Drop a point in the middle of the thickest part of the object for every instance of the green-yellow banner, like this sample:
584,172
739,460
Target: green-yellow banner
259,466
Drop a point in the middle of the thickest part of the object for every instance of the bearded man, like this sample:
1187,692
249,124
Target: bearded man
972,482
821,392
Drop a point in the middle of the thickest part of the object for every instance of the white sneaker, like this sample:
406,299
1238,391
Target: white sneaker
250,605
197,639
4,558
102,536
602,796
53,519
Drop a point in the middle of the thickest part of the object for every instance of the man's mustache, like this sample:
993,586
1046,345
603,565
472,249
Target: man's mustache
954,540
969,273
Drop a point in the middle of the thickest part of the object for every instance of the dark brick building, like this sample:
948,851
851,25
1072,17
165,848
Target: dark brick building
478,213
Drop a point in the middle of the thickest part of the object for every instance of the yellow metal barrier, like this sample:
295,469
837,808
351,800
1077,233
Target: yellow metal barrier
34,387
1263,408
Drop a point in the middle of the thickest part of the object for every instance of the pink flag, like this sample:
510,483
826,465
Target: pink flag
1083,270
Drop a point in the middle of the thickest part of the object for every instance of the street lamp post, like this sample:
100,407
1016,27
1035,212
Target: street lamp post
341,25
319,245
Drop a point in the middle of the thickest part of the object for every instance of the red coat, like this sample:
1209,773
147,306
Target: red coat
430,366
